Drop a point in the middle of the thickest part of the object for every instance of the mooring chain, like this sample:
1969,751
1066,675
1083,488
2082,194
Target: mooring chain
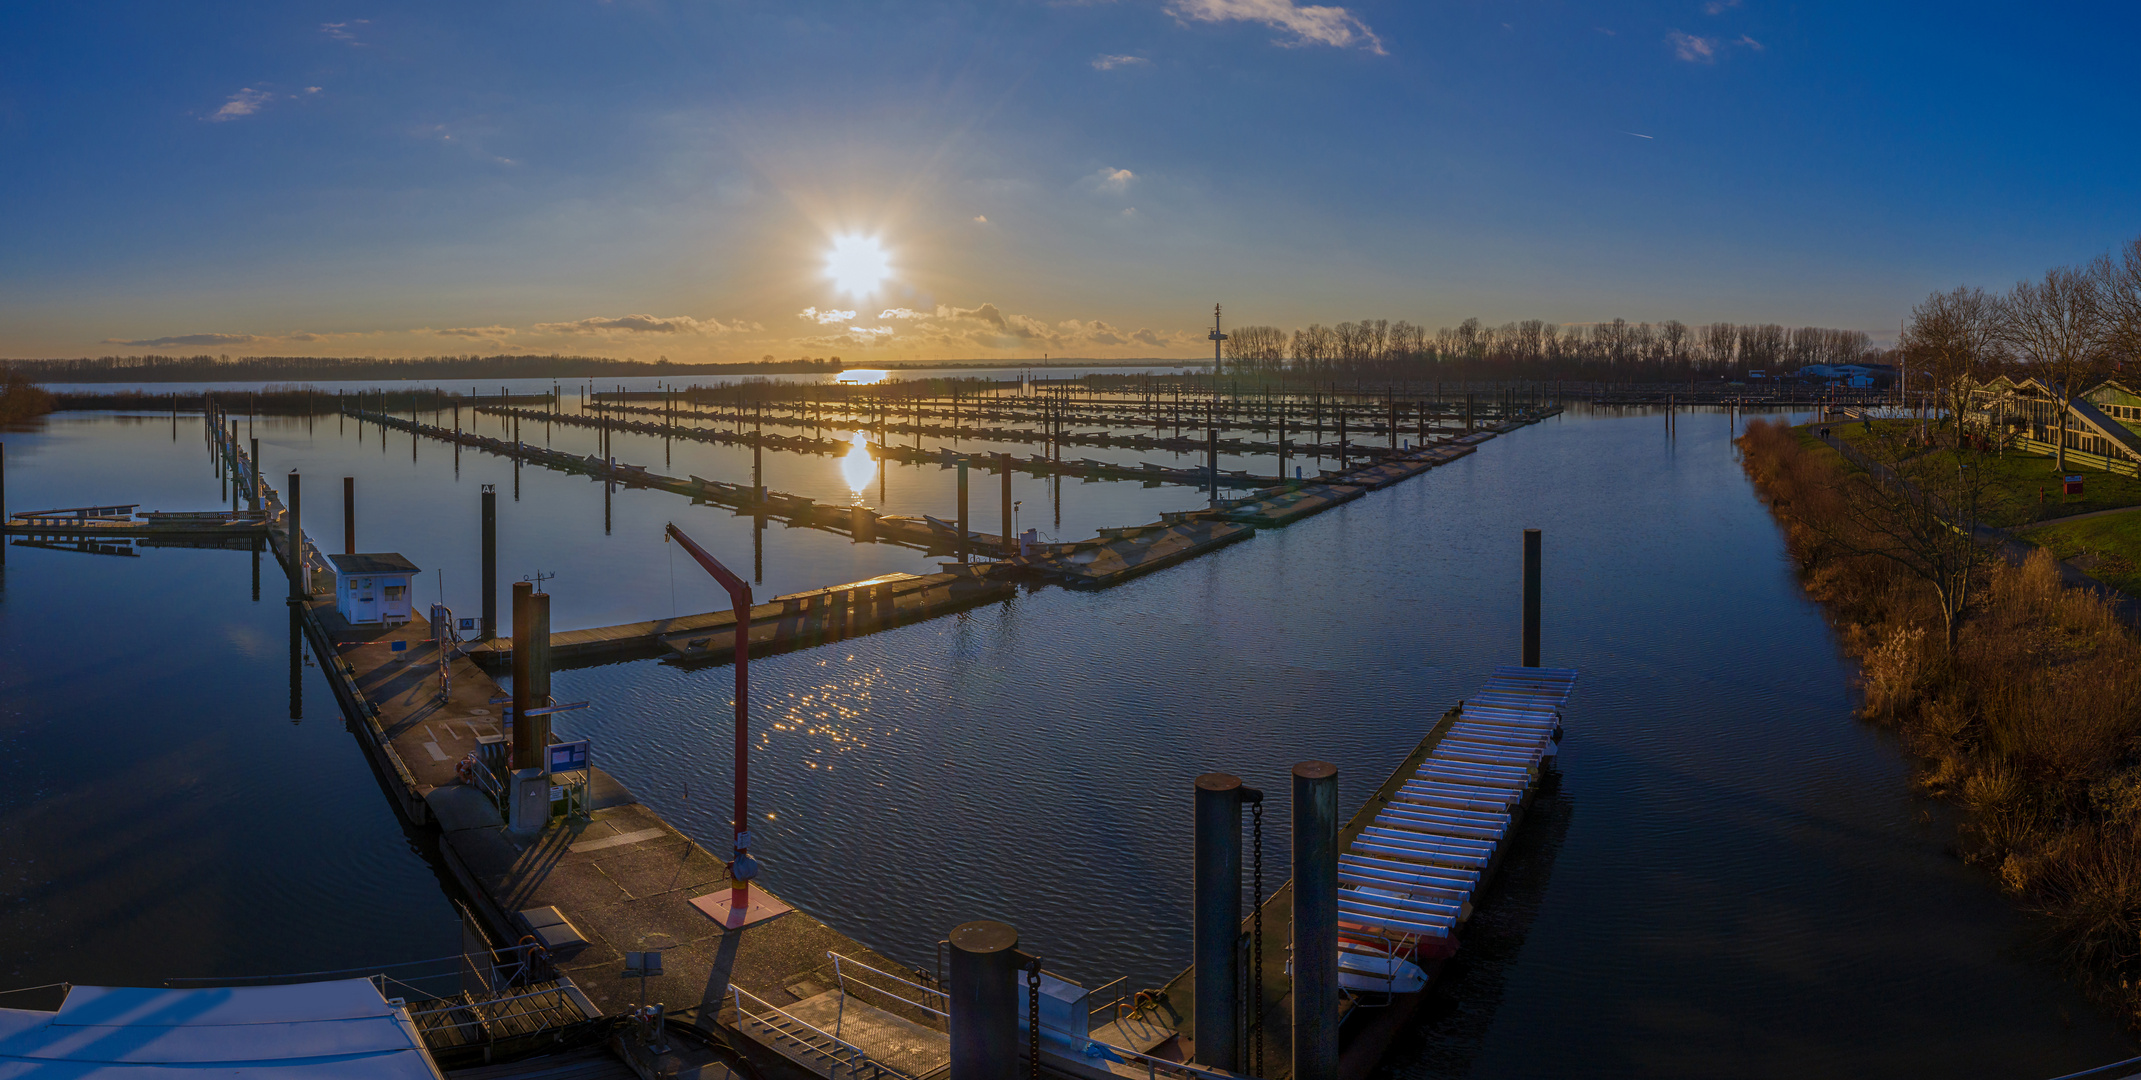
1256,939
1033,1018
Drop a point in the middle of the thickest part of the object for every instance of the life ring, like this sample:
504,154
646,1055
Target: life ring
466,770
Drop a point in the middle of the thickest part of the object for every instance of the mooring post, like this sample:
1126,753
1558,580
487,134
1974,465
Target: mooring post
1217,927
1315,919
349,515
1003,461
296,554
984,989
538,727
490,562
964,545
523,674
252,490
1211,456
1531,598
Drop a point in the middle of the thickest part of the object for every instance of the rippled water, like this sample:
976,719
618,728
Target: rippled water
1731,879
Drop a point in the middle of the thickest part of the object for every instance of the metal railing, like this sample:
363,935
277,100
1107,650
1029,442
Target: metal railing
843,981
483,1011
842,1052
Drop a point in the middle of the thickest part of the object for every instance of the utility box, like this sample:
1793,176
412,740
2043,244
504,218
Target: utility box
372,590
528,799
1064,1005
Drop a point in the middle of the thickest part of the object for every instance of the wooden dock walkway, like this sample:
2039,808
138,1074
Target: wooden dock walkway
783,624
860,523
622,878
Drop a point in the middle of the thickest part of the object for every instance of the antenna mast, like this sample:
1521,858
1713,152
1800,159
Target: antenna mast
1217,339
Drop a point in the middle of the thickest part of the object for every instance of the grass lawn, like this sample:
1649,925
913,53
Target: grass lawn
2108,548
2021,488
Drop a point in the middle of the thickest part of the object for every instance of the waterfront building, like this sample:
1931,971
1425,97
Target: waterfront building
372,589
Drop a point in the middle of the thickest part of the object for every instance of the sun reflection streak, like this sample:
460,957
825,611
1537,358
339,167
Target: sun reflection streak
857,466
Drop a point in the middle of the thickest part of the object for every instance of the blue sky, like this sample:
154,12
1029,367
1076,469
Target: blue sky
666,177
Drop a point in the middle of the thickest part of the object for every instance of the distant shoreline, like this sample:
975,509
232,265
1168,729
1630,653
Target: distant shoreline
185,370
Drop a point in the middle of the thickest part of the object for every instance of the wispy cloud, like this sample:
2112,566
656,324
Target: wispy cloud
344,31
826,317
1110,63
639,324
1752,43
245,102
476,331
1694,50
1312,24
186,339
947,329
1719,7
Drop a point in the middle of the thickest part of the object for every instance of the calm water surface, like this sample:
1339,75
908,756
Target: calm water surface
1731,879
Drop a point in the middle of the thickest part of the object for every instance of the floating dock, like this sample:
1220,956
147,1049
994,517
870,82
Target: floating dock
1411,865
785,623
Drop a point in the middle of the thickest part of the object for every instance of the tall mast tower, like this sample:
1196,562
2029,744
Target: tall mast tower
1217,340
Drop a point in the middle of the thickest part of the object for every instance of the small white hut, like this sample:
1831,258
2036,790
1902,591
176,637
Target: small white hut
372,589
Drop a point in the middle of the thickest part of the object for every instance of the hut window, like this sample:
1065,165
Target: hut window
396,592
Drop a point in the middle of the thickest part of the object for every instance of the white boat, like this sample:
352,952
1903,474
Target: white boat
1375,973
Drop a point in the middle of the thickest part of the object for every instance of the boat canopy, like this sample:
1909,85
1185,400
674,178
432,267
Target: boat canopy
339,1029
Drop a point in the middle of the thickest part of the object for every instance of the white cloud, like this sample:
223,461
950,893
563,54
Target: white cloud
1110,63
1751,43
245,102
981,219
1111,181
826,317
1719,7
344,31
1694,50
1313,24
639,324
871,331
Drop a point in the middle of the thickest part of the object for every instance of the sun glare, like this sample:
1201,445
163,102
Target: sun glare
857,264
857,466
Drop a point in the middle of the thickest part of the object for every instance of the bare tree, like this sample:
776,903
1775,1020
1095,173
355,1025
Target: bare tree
1954,336
2119,291
2058,326
1919,511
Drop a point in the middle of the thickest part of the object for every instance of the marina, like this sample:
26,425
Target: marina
626,818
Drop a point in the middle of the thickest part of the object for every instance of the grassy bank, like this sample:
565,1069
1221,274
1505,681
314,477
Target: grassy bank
2021,488
21,399
2033,721
2106,548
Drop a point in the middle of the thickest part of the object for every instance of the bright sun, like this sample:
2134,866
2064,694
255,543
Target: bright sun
857,264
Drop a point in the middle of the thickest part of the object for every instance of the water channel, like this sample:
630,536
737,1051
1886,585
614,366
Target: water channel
1732,878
